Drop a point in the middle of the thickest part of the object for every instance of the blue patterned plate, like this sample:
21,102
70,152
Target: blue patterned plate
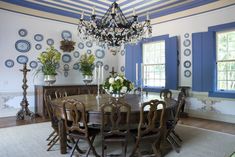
66,67
187,73
21,59
33,64
22,32
187,52
80,45
99,63
66,73
106,67
66,58
89,44
38,37
187,43
187,64
22,45
76,66
9,63
88,51
122,52
186,35
122,68
66,35
76,54
38,46
50,42
99,53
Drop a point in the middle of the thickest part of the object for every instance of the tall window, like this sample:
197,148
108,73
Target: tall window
154,63
225,48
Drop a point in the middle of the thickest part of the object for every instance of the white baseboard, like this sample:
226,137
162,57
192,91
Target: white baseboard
212,116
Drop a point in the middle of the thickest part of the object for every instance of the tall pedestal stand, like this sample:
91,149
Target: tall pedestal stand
24,103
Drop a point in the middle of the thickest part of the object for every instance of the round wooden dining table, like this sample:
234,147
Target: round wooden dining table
93,104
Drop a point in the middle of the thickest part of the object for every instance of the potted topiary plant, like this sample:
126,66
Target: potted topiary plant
49,61
86,66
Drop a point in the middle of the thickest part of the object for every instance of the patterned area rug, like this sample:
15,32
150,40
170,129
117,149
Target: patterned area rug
29,140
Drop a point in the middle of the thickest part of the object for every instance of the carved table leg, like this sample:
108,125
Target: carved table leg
63,138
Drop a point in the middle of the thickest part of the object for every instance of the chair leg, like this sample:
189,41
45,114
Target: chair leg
136,148
176,135
175,140
73,149
90,142
50,135
52,139
171,141
53,143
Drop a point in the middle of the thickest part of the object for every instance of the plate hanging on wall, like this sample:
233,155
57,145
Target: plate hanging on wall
122,68
66,58
66,67
38,46
187,43
33,64
22,32
122,52
76,54
186,35
106,67
66,73
187,73
21,59
9,63
187,52
22,45
80,45
89,44
99,63
76,66
88,52
187,64
50,42
99,53
38,37
66,35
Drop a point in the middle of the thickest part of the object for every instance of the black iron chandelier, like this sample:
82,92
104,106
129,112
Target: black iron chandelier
113,29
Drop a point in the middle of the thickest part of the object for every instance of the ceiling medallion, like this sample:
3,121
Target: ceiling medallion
113,29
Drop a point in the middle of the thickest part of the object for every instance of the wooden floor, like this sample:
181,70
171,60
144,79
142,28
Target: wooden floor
196,122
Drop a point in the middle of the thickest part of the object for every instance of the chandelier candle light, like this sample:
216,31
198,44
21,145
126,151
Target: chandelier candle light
99,78
113,29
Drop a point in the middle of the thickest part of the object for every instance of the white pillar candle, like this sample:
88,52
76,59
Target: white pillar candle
113,10
93,11
134,13
102,74
136,71
147,18
82,16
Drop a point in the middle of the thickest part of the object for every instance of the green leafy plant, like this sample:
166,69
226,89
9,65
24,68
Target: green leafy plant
86,64
49,60
116,84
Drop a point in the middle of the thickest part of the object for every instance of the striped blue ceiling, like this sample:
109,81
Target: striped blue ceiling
73,8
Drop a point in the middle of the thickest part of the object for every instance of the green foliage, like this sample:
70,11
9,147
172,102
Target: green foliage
116,84
86,64
49,60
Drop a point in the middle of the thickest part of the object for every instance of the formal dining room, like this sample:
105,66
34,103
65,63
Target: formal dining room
128,78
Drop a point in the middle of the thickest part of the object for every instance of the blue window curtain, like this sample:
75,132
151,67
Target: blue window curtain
204,61
134,55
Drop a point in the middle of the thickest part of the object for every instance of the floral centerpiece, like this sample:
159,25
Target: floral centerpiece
86,64
117,85
49,60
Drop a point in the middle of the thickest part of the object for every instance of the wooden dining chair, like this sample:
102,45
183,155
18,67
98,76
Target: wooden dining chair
151,126
172,137
165,93
115,126
138,91
49,95
77,127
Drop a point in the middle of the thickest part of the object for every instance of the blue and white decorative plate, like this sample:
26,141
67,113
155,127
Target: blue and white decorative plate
80,45
88,51
66,73
76,66
66,35
33,64
186,35
106,67
122,52
187,52
187,64
22,32
122,68
89,44
99,63
76,54
187,43
187,73
22,45
38,37
57,65
66,58
21,59
66,67
9,63
99,53
38,46
50,42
